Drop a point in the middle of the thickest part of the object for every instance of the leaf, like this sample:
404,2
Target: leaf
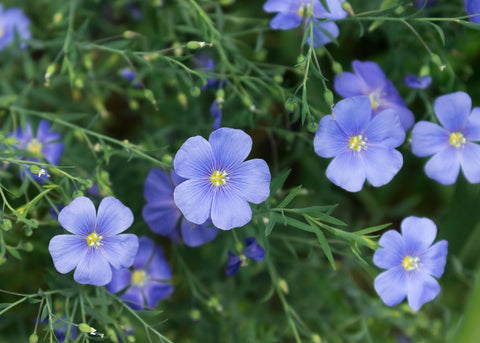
372,229
278,181
323,242
270,224
468,24
293,193
440,32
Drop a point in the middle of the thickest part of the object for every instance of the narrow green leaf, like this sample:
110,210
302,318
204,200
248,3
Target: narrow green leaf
439,31
293,193
270,224
372,229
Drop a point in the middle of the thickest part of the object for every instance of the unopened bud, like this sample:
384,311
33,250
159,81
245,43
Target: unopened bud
337,68
316,338
291,104
348,8
195,92
131,34
328,97
283,286
195,315
33,338
193,45
437,61
6,225
182,99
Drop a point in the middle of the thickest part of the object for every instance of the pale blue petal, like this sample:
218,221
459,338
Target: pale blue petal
53,152
348,85
155,291
161,217
158,267
381,164
78,217
421,82
452,110
391,252
428,139
251,181
418,235
434,259
280,5
336,10
404,114
422,288
146,246
444,166
197,235
158,187
134,298
472,129
230,147
371,74
323,33
391,286
385,130
253,250
285,21
329,139
194,159
347,171
121,278
353,115
194,199
120,250
229,210
470,161
67,251
93,269
113,217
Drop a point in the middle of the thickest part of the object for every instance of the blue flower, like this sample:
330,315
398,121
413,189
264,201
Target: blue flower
144,284
252,250
216,113
219,182
162,215
369,79
473,7
411,262
420,82
129,75
205,63
13,22
452,145
291,13
95,246
362,144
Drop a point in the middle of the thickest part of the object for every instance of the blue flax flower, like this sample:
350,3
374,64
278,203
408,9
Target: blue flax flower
252,250
420,82
144,284
95,246
452,145
370,80
473,7
412,261
162,215
291,13
129,75
216,113
363,145
424,3
13,22
220,183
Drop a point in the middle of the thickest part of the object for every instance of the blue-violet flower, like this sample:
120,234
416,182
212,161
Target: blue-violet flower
291,13
411,262
162,215
420,82
129,75
369,79
13,21
95,246
363,144
452,145
144,284
473,7
251,250
220,183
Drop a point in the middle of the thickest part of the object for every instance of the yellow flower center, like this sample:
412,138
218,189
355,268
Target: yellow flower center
139,277
94,240
2,31
358,143
411,263
304,10
457,139
374,101
243,258
35,147
219,178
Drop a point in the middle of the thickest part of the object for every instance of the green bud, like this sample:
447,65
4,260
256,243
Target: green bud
10,141
328,97
193,45
27,246
85,328
131,339
337,68
167,158
182,99
77,194
312,126
226,2
130,34
28,231
149,95
283,286
316,338
399,10
57,18
437,61
348,8
425,70
220,95
195,92
195,315
291,104
33,338
35,169
239,247
134,105
79,83
278,79
6,225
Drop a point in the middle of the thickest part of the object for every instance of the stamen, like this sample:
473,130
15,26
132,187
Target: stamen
374,100
94,240
139,277
358,143
35,147
411,263
457,139
219,178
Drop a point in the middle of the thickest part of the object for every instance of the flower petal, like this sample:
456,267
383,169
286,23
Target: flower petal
162,218
67,251
251,181
194,159
134,298
44,134
428,139
452,110
159,268
444,166
434,259
329,139
157,186
404,114
370,73
155,291
93,269
121,278
78,217
253,250
120,250
353,115
146,247
335,9
233,265
277,5
381,164
196,235
194,199
391,286
391,253
113,217
348,85
323,33
53,152
347,171
229,210
418,234
285,21
470,161
472,129
473,7
230,147
385,129
422,288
